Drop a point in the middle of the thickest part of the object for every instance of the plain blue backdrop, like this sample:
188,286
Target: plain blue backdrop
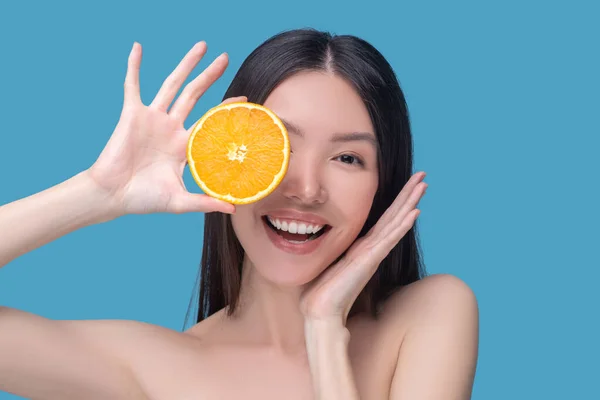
504,104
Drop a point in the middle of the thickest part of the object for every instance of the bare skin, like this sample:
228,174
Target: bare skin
284,337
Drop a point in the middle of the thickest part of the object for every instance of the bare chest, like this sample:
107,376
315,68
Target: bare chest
190,372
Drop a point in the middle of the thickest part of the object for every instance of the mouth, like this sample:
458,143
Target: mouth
295,232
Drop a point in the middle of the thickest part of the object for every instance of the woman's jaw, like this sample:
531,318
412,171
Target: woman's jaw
288,247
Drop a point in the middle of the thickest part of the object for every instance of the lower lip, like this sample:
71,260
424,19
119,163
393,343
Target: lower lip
293,248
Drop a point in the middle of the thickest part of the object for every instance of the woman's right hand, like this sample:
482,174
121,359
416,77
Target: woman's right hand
142,165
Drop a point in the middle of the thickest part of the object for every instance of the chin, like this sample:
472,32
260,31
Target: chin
288,248
287,274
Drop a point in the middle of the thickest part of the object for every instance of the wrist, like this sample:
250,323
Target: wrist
99,203
325,336
326,328
327,349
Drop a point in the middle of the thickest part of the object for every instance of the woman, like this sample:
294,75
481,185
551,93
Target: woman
339,314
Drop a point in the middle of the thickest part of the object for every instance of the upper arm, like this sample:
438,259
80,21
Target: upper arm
46,359
438,355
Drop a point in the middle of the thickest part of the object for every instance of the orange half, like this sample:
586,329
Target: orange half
238,152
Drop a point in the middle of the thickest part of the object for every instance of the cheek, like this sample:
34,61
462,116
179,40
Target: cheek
353,196
243,223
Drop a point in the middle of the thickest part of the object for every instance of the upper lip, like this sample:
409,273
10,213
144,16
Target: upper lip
288,213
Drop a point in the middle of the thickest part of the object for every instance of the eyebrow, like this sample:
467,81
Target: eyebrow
338,137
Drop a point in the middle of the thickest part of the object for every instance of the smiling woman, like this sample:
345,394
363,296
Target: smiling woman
351,154
315,291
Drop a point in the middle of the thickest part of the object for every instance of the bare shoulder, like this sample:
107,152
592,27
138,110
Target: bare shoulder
432,297
437,320
426,332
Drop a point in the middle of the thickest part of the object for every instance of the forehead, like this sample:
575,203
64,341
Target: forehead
320,102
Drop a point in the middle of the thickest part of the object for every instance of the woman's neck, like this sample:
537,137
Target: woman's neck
270,314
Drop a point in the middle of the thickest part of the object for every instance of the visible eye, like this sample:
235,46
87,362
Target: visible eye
351,159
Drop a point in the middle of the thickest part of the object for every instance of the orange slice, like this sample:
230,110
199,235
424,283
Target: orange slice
238,152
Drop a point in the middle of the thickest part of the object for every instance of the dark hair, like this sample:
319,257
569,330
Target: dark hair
374,80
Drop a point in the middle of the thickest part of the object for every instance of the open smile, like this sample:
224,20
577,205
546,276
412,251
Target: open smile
295,236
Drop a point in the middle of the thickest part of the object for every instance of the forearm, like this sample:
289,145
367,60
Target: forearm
33,221
331,371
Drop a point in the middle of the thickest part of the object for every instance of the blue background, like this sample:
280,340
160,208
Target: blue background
505,108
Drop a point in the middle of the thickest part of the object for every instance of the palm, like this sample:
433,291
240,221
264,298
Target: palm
143,162
144,159
333,293
335,290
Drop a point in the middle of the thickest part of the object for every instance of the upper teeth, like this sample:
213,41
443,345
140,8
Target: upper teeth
295,226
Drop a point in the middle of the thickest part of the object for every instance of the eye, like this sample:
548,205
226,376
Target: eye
351,159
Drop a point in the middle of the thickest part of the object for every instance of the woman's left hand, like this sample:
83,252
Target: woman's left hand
332,294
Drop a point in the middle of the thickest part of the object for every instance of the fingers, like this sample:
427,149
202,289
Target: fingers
378,247
181,146
407,190
363,260
412,200
191,202
390,214
395,234
408,206
239,99
132,78
192,92
173,83
400,217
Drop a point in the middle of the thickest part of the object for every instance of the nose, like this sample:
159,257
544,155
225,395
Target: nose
303,183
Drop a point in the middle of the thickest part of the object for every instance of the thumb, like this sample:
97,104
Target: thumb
192,202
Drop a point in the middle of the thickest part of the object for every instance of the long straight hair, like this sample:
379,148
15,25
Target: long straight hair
365,68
